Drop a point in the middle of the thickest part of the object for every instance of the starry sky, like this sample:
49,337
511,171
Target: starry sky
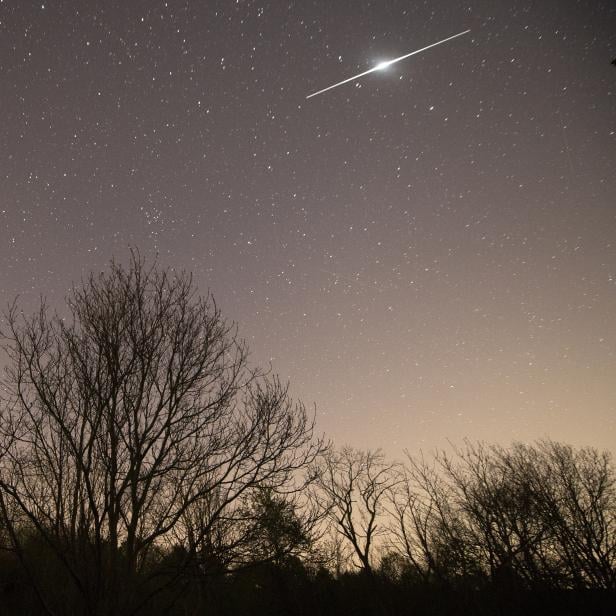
427,253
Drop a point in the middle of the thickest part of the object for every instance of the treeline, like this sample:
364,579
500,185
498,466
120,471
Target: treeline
147,468
529,516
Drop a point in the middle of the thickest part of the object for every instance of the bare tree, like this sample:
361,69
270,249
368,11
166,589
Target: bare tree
493,487
575,493
426,527
528,515
122,417
352,487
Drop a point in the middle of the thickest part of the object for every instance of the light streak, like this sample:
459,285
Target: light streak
383,65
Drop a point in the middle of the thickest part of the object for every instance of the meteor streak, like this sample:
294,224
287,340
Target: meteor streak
383,65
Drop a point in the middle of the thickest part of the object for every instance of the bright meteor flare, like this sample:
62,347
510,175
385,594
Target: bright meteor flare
383,65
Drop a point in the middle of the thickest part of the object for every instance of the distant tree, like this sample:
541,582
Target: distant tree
124,415
279,530
575,494
352,487
337,551
426,526
526,516
493,489
265,526
393,566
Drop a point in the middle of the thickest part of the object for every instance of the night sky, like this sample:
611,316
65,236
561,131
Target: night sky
427,253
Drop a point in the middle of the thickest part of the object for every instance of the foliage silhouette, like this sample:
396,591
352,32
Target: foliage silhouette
145,467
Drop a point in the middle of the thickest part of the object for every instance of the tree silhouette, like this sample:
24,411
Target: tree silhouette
352,486
278,529
126,414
